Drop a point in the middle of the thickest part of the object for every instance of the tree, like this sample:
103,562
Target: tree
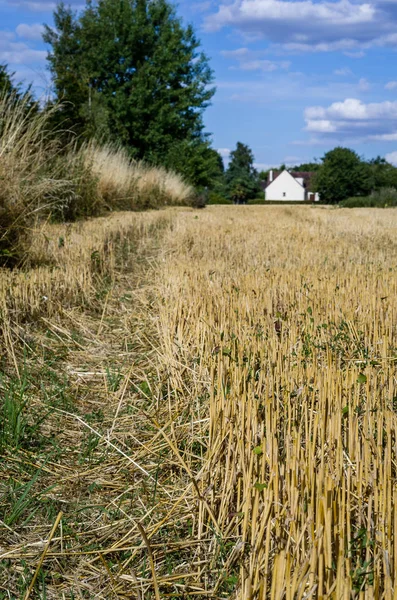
342,175
200,164
383,173
8,87
307,167
132,67
6,84
241,176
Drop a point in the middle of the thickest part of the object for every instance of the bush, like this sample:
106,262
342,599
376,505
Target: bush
379,198
216,198
385,197
260,199
199,200
357,202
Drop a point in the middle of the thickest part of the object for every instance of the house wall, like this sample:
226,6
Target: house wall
286,188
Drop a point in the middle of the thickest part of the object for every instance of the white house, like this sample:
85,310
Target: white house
290,186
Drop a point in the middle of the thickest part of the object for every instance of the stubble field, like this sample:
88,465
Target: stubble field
203,404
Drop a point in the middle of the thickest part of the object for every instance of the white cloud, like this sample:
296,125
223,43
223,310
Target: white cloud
30,32
385,137
355,110
311,26
354,119
18,53
320,126
391,85
392,158
364,85
250,60
258,14
224,152
344,72
263,166
264,65
239,53
358,54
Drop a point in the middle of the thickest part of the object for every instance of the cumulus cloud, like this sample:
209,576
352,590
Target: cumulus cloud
20,54
354,119
30,32
392,158
391,85
13,52
309,26
249,60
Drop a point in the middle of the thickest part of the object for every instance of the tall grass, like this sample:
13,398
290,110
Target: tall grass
128,184
27,188
39,179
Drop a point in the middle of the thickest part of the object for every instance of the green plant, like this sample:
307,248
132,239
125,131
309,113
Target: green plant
20,501
13,416
114,378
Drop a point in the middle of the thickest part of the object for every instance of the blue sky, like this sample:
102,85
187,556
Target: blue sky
294,78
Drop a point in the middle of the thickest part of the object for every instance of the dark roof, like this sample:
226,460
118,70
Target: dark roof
307,177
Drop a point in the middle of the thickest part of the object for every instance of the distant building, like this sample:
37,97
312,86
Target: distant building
290,186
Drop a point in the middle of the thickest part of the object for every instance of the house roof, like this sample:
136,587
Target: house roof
307,177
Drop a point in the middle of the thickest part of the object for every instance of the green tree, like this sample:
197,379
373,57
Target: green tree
384,174
341,175
8,86
200,164
242,179
132,69
307,167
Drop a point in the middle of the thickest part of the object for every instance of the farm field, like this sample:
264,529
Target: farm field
202,404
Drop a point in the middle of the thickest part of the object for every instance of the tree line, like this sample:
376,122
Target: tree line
340,175
131,73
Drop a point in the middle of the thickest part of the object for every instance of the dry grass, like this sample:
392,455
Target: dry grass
27,189
220,409
40,179
129,184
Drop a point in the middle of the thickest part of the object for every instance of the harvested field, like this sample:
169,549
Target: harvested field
203,406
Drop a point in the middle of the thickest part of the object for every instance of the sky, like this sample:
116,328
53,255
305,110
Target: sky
293,78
